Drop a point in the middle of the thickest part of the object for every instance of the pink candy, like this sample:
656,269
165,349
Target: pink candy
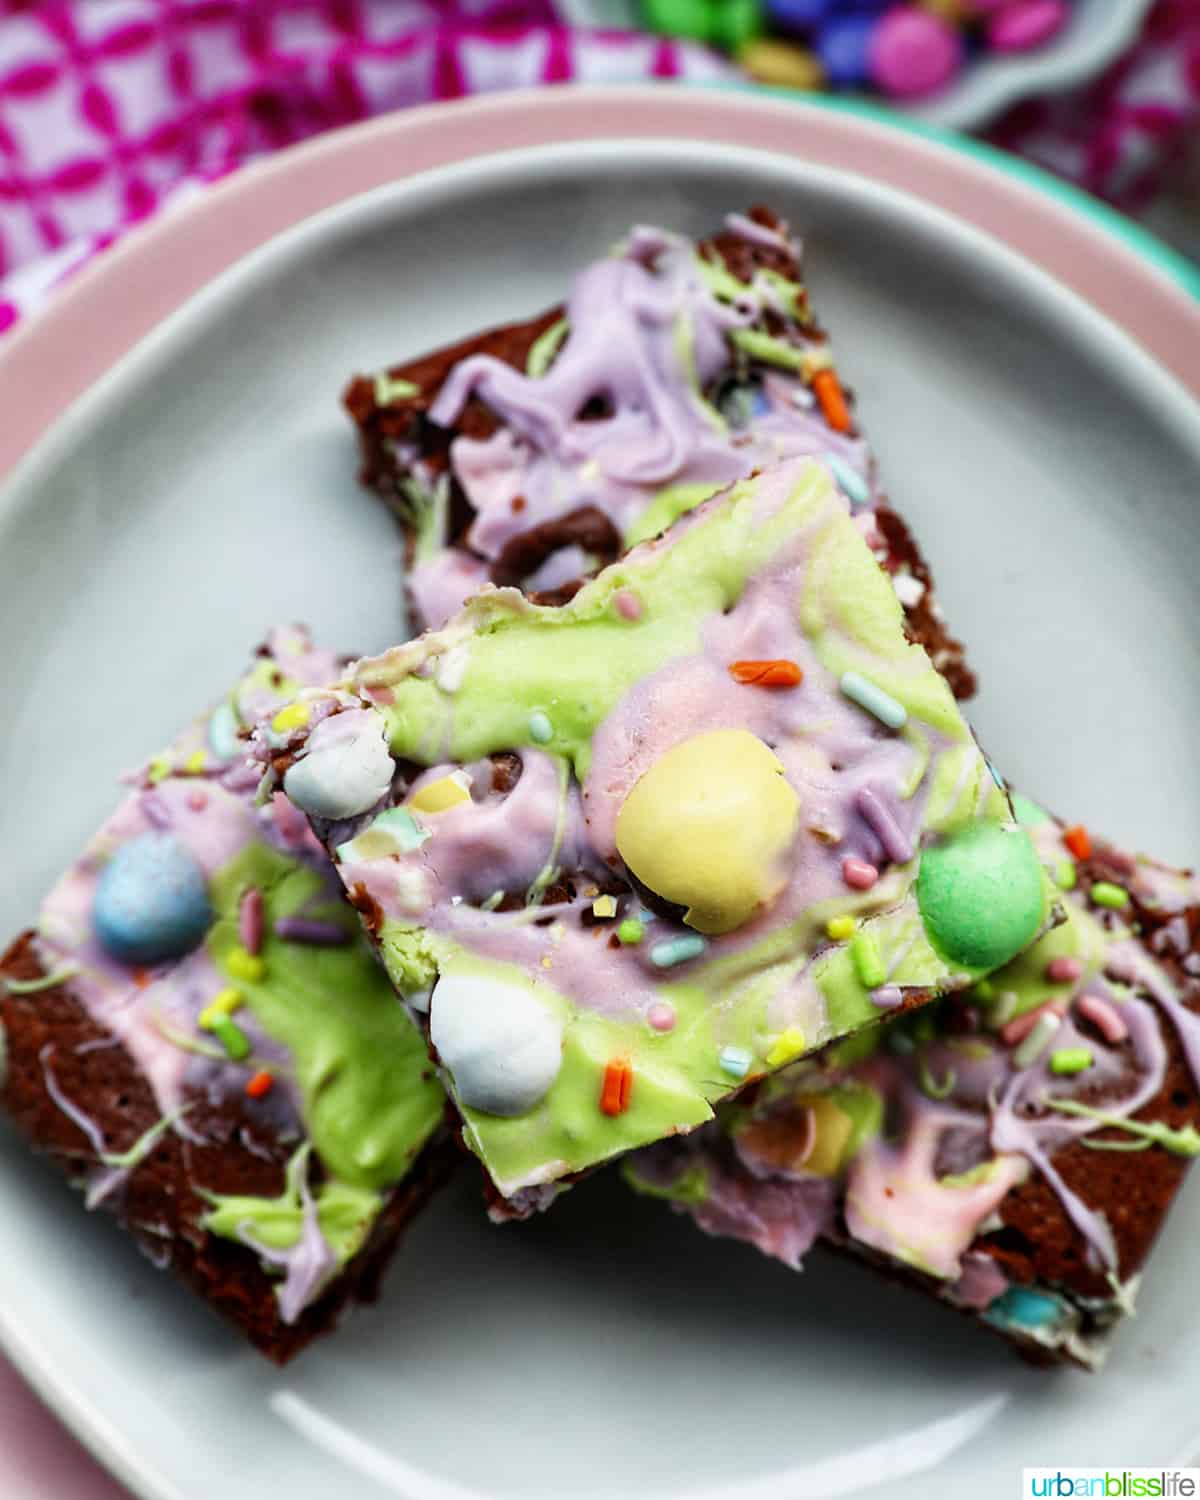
661,1016
250,920
1064,970
1104,1017
628,605
1016,28
914,52
858,874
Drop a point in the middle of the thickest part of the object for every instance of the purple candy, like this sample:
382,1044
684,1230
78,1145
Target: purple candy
843,44
798,15
913,52
310,930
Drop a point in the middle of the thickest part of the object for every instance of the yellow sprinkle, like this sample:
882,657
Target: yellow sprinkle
787,1045
439,795
221,1006
604,906
196,761
840,928
547,963
292,717
158,769
243,965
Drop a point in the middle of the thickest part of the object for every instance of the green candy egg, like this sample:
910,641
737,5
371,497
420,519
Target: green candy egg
982,895
692,19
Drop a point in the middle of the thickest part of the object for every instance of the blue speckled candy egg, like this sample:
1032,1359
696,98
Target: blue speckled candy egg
1022,1307
151,901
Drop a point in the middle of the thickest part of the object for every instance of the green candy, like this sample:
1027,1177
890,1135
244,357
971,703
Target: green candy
725,23
981,895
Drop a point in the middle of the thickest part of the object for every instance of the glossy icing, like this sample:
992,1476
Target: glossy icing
970,1117
349,1078
589,698
667,379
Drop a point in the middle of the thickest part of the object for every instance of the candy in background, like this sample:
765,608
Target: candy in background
112,109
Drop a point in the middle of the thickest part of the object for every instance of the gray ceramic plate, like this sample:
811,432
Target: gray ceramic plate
205,488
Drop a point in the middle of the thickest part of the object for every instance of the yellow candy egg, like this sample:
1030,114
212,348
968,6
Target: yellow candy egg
782,64
707,826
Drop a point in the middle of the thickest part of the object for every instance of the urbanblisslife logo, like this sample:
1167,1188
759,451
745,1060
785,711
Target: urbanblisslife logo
1110,1484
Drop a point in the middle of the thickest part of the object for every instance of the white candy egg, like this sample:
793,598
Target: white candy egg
500,1043
347,768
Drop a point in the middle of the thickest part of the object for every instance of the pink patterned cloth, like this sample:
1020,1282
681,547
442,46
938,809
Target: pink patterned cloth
110,109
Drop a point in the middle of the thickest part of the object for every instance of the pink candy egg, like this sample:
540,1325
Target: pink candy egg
1016,28
914,52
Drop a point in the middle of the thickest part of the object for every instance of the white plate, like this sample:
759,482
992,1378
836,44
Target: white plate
206,488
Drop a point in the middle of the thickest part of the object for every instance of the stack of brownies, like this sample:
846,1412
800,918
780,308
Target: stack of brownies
665,840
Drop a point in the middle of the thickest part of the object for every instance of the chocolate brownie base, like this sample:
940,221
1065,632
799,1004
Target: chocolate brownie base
52,1043
396,431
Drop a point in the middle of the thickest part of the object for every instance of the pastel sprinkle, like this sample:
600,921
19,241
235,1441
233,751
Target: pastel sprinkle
627,604
261,1084
604,907
1069,1060
246,966
867,695
887,996
231,1037
985,989
896,843
858,874
788,1044
1104,1016
541,731
197,800
1065,875
388,390
831,399
1064,970
1019,1027
849,480
630,932
840,928
220,1007
440,795
1104,893
735,1061
867,960
678,950
313,932
294,716
195,762
250,920
223,732
617,1087
1078,841
661,1016
1037,1041
778,672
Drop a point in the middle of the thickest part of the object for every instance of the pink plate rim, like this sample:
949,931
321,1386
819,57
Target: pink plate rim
95,320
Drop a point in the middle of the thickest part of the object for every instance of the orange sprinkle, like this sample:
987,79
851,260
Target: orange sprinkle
832,400
262,1083
777,673
141,977
617,1087
1078,841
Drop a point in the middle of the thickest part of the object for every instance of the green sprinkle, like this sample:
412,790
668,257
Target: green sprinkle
866,694
544,348
630,932
867,960
388,390
1185,1142
1065,876
771,351
541,731
985,990
1104,893
231,1036
678,950
1070,1060
929,1085
46,982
